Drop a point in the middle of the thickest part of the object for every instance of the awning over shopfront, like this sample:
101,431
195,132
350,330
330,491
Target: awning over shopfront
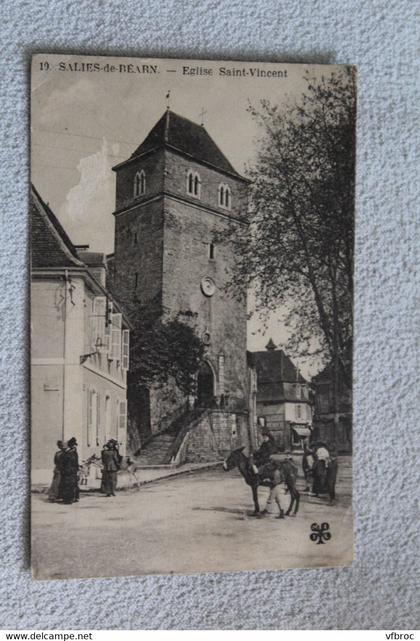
302,431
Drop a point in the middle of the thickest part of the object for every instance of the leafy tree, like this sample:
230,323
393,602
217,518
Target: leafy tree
163,348
298,252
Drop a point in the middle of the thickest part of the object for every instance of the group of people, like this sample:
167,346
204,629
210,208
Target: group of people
65,483
317,457
66,476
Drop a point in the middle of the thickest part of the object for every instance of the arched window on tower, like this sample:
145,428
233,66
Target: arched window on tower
139,183
221,195
190,183
225,199
194,184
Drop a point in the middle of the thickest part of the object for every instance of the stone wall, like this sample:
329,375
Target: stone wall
138,253
215,435
188,232
153,166
162,253
176,177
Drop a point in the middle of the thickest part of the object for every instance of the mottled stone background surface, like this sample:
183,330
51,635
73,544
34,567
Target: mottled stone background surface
380,590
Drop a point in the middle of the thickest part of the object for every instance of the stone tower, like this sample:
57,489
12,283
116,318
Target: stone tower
173,195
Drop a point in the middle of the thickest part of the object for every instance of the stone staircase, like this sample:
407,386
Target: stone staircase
154,452
162,447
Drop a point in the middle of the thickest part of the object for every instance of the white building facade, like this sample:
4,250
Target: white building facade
79,349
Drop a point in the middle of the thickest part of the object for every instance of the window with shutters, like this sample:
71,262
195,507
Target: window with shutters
92,416
116,325
98,331
122,419
125,349
108,417
116,420
98,419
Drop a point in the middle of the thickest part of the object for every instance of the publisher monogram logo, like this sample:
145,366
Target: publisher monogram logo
320,533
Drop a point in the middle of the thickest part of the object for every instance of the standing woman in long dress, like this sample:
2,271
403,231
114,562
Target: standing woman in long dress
54,491
68,466
76,471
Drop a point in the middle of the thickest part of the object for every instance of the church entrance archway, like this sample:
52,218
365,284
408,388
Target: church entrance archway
205,385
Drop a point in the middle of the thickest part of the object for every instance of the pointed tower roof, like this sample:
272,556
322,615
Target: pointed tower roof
271,345
187,137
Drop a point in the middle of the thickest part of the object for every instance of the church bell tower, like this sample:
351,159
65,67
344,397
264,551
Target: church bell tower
174,196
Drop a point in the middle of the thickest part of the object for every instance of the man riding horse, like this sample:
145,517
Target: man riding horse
271,473
275,474
261,457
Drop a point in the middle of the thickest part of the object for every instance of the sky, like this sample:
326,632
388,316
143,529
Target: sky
85,122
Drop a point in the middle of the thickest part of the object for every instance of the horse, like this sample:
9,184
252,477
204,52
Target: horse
288,471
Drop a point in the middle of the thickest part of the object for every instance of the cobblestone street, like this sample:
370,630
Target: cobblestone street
201,521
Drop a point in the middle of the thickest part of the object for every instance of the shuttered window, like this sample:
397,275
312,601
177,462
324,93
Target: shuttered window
98,419
92,416
122,422
89,418
97,324
125,349
116,324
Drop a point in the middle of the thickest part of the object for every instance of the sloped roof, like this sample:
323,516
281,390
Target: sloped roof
50,245
93,259
188,137
273,366
271,392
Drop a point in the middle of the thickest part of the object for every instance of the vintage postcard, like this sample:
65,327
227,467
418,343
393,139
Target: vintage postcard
191,230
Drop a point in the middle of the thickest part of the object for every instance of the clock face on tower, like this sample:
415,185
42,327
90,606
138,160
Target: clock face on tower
208,286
